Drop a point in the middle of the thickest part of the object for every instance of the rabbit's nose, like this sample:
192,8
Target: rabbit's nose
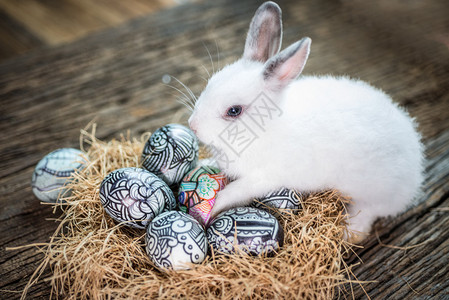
193,125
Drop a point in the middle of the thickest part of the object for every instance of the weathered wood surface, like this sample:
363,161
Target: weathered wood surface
114,78
29,24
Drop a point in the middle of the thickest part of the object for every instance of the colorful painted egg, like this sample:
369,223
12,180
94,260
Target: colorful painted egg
280,199
52,171
135,196
174,240
250,229
198,190
170,153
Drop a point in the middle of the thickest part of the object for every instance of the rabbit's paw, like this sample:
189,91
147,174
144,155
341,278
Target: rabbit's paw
233,195
359,225
354,237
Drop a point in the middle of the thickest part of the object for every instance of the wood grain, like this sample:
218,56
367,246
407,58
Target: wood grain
58,22
31,24
114,77
15,39
407,256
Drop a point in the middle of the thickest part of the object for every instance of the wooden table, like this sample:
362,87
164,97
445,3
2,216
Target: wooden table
115,78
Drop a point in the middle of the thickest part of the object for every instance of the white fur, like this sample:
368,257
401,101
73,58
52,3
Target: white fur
331,133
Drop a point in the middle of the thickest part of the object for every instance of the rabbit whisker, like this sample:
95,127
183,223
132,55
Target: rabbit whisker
186,100
189,91
202,77
210,58
183,101
218,55
205,69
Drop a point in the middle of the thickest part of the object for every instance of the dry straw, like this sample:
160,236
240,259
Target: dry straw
92,257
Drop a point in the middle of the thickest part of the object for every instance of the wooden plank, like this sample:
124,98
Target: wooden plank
115,76
408,258
15,38
57,22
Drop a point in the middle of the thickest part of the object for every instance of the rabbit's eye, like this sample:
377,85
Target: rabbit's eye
234,111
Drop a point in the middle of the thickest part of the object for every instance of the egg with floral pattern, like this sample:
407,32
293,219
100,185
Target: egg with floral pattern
198,190
135,196
248,229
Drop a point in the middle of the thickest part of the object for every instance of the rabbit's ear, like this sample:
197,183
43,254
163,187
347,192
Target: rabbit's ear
265,33
288,64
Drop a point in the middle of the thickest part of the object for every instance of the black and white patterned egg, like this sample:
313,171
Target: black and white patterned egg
174,240
170,153
51,173
250,229
280,199
135,196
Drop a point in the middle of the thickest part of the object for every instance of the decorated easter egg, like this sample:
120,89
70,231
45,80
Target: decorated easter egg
171,152
250,229
280,199
198,190
175,239
135,196
52,171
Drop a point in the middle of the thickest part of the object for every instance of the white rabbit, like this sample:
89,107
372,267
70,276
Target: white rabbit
272,130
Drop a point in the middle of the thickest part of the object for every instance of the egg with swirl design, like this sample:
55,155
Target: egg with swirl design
280,201
52,173
135,196
175,240
170,153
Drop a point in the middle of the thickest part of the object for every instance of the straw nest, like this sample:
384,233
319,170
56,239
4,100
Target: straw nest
92,257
